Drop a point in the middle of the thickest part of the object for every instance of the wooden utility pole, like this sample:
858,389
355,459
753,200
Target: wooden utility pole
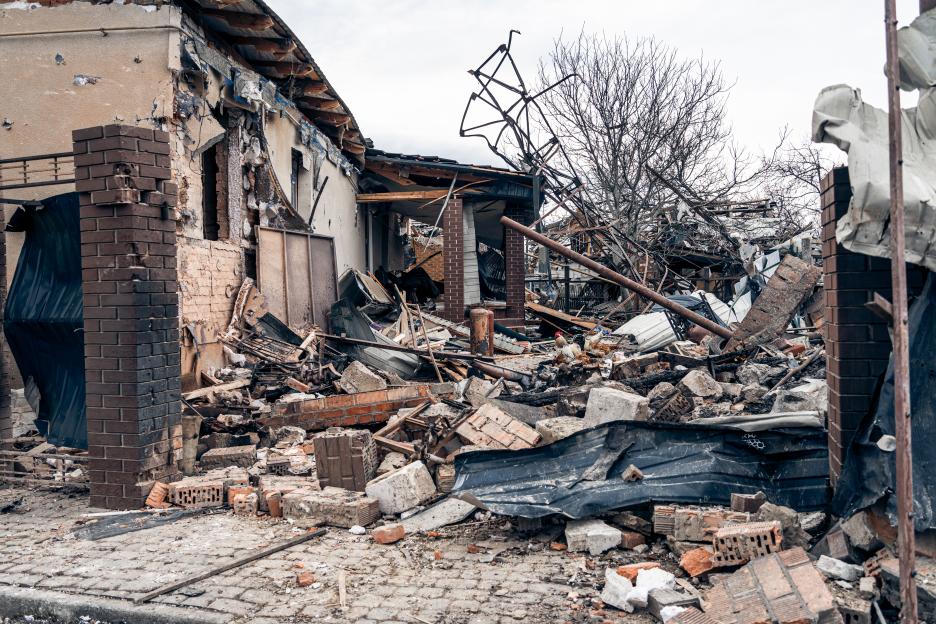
906,546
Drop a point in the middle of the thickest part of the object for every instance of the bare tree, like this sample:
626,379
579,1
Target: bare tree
635,103
790,177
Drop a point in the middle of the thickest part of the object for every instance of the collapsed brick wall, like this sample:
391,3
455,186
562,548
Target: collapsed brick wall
857,341
131,316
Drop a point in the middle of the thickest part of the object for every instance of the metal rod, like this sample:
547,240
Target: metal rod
906,547
630,284
230,566
442,355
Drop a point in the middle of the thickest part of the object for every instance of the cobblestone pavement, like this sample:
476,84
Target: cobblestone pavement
434,580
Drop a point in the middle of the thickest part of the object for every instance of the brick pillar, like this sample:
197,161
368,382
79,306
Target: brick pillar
453,253
515,270
857,342
129,280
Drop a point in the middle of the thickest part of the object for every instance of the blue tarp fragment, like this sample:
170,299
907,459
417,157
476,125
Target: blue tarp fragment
43,317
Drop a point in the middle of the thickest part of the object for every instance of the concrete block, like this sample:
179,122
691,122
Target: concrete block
700,384
860,534
593,536
392,461
553,429
243,456
402,489
731,390
607,405
330,506
835,569
660,599
356,377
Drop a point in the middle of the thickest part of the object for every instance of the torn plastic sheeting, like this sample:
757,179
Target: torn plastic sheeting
868,476
842,118
43,317
580,476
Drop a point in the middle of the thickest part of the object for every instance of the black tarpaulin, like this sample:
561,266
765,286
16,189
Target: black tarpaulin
868,476
580,476
43,316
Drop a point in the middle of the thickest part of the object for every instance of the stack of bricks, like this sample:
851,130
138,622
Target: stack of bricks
857,342
515,273
345,458
345,410
454,261
129,280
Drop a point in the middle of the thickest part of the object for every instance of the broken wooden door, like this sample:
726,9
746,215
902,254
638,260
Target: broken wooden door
297,275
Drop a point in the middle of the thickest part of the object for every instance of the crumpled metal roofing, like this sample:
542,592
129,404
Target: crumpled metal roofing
580,476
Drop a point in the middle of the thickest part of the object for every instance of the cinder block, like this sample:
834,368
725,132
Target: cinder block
591,535
608,404
345,458
196,492
738,544
402,489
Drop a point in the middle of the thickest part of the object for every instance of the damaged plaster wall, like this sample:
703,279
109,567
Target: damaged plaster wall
337,214
55,83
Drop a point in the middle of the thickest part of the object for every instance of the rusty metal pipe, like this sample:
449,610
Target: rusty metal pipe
617,278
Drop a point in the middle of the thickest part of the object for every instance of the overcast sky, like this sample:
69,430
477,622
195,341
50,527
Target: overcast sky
400,65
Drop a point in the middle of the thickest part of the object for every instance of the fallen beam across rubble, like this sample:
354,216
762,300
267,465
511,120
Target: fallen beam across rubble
617,278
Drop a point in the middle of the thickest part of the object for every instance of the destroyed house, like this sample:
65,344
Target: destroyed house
155,155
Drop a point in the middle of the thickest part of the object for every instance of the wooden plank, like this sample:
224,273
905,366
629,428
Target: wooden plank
542,310
364,198
202,392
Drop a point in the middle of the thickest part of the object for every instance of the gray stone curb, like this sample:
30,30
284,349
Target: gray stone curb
20,601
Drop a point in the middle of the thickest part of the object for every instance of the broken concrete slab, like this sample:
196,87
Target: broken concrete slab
660,599
793,533
811,395
835,569
243,456
591,535
330,506
697,383
529,414
575,399
391,461
553,429
402,489
446,512
860,534
357,377
607,405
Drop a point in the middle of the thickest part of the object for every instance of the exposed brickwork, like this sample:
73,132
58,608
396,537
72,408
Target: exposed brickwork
739,543
857,341
210,274
454,261
515,269
346,410
129,279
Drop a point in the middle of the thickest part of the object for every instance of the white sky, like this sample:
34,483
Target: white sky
400,65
